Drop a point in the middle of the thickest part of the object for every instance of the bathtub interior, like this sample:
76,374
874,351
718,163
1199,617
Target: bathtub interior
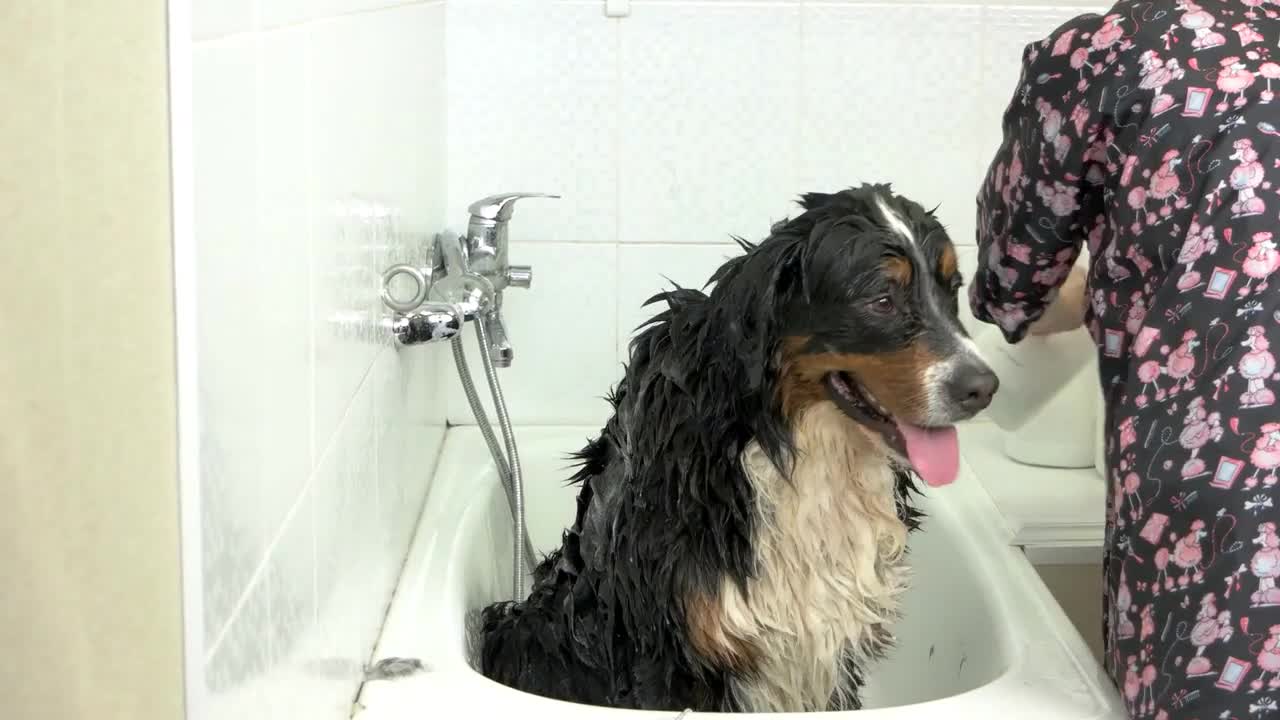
949,639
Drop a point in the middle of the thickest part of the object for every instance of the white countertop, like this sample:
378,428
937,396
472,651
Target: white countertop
1057,515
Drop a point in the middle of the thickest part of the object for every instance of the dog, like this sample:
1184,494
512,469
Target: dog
741,529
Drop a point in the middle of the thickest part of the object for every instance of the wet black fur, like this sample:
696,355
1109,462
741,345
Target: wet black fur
664,508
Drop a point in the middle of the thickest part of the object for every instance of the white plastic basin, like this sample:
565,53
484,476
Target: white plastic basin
980,637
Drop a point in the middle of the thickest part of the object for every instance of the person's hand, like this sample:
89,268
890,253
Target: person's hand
1066,312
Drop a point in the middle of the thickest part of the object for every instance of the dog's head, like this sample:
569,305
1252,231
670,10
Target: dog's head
858,302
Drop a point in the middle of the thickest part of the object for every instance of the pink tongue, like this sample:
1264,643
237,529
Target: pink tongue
934,452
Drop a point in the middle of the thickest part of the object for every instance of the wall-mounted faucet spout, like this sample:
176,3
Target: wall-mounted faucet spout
485,249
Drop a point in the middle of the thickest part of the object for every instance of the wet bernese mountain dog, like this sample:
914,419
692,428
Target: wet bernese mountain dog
742,523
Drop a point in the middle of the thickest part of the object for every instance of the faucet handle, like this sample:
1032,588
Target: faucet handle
499,346
519,276
499,207
450,255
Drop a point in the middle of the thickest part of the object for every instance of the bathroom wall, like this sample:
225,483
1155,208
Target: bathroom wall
671,128
1077,587
318,154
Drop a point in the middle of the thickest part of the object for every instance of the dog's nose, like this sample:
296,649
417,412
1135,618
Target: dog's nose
973,388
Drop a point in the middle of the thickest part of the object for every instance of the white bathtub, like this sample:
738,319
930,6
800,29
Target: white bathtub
980,637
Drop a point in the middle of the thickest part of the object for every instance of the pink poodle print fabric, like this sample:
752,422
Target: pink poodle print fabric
1149,136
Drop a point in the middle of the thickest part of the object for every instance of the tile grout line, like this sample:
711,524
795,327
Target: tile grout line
313,443
798,151
618,352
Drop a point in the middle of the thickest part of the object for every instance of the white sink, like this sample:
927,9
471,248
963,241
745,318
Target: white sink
980,637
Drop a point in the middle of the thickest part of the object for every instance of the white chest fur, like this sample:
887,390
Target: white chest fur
830,566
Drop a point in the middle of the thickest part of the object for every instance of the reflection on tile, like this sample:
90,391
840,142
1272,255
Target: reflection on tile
562,330
646,270
708,121
535,111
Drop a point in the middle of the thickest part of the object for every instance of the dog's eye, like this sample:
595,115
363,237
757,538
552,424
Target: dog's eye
882,305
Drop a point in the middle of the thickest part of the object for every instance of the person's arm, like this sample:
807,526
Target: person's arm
1066,312
1042,192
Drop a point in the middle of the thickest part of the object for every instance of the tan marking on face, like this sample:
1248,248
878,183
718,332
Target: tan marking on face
709,634
947,263
898,269
897,379
798,388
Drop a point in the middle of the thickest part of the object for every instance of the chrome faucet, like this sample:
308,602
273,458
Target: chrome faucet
464,280
486,255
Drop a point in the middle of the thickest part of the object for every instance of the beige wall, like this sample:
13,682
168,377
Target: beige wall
90,610
1078,589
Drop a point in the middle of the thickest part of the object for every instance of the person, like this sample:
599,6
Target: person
1148,135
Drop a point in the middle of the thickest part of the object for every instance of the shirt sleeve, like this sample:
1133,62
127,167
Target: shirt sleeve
1044,185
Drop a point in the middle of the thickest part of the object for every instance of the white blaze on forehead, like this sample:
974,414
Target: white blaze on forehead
894,220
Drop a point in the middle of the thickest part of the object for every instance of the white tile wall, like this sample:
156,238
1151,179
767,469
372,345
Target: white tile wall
563,333
646,270
532,97
285,12
319,158
709,121
888,114
212,19
684,122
